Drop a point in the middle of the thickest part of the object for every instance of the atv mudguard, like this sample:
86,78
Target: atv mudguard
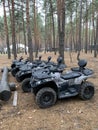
51,84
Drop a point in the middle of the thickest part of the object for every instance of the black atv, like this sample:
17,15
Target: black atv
24,64
14,62
17,65
51,66
48,87
26,70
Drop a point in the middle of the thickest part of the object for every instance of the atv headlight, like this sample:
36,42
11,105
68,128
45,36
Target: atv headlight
28,72
21,73
38,82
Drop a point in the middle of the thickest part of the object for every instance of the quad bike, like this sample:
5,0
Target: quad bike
24,65
48,87
14,62
51,66
26,70
15,66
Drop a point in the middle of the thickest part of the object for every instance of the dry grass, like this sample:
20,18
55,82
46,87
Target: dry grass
67,114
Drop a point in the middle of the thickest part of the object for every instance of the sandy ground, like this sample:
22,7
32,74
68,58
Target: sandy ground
66,114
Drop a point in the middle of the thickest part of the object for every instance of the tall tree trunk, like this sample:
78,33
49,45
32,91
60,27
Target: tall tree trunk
90,33
36,30
10,14
71,37
76,44
71,31
45,30
6,31
96,41
83,36
92,41
97,32
86,30
61,25
51,7
93,30
13,31
94,37
24,32
50,33
80,26
29,34
18,37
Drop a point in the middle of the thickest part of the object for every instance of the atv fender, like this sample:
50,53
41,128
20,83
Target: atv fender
50,84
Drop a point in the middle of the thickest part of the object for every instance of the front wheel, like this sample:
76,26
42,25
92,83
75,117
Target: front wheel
46,97
26,87
19,79
14,71
86,91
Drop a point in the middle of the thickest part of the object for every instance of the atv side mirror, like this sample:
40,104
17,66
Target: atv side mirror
21,58
49,58
59,60
40,57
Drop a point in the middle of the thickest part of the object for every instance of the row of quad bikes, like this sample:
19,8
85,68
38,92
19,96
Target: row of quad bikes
49,82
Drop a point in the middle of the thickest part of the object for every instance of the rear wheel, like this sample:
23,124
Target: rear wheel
14,71
17,78
26,87
13,65
46,97
87,91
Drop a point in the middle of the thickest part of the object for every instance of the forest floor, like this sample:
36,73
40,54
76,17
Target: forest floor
66,114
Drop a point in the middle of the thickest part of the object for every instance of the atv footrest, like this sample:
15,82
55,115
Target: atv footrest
72,90
67,94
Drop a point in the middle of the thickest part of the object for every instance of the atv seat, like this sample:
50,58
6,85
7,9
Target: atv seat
26,67
85,71
41,74
77,69
70,75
